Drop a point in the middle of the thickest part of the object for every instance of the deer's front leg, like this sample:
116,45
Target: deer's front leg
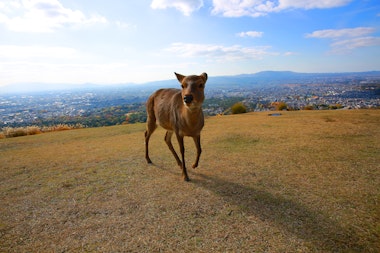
182,149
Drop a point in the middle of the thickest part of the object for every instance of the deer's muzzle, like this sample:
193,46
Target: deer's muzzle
188,99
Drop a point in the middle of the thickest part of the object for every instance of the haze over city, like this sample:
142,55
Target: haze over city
137,41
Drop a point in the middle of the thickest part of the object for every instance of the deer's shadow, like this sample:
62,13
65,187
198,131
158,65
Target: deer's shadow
307,224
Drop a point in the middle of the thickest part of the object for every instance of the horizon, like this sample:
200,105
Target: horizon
37,87
106,43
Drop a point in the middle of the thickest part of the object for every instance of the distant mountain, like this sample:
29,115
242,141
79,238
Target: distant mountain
274,78
260,79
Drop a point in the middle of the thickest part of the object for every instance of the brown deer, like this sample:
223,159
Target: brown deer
179,112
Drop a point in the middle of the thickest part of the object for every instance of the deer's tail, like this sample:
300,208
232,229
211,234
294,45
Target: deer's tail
151,117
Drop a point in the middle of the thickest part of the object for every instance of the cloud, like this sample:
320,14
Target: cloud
36,63
240,8
218,52
336,33
312,4
14,52
123,25
257,8
253,34
343,46
290,53
184,6
346,40
42,16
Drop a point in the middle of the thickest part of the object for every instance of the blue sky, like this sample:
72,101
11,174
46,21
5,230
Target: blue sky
119,41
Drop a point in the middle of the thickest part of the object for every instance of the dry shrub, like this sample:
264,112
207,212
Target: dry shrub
279,106
309,107
32,130
61,127
20,131
14,131
8,132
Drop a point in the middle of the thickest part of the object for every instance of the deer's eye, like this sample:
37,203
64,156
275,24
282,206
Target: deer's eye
182,86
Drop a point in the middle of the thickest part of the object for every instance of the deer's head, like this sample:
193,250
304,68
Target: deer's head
192,89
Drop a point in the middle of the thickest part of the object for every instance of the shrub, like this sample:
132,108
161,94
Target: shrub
279,106
8,132
32,130
238,108
336,106
309,107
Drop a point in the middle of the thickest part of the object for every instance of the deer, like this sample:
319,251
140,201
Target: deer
179,112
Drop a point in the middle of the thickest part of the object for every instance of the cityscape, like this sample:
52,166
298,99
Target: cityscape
126,104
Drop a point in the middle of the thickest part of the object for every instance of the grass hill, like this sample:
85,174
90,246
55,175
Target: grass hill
305,181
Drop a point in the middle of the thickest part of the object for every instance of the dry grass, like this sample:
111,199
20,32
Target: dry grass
304,181
9,132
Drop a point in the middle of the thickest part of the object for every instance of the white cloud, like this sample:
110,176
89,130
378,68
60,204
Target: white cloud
290,53
123,25
257,8
348,45
346,40
184,6
218,52
336,33
253,34
63,72
36,52
42,16
238,8
312,4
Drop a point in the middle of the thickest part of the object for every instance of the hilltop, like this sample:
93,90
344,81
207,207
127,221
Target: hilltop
304,181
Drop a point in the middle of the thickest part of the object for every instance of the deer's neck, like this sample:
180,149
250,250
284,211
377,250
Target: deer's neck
193,116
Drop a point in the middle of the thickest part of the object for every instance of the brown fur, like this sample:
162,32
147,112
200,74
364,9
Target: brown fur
179,112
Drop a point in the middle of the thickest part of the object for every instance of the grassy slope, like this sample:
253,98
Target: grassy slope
304,181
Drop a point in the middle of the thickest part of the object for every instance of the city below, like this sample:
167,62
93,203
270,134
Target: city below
118,104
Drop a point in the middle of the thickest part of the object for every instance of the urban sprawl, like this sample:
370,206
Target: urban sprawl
28,108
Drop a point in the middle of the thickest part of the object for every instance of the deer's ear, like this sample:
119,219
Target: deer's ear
179,77
204,76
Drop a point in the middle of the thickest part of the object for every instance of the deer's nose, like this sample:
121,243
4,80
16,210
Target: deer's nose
188,99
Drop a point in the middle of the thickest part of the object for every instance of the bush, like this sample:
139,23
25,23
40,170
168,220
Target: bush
336,106
8,132
238,108
309,107
279,106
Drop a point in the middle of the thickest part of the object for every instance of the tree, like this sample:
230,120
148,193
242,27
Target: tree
238,108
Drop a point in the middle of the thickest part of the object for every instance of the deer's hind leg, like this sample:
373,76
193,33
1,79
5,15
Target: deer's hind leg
197,141
150,127
168,140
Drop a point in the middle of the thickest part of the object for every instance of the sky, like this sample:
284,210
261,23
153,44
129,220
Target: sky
137,41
